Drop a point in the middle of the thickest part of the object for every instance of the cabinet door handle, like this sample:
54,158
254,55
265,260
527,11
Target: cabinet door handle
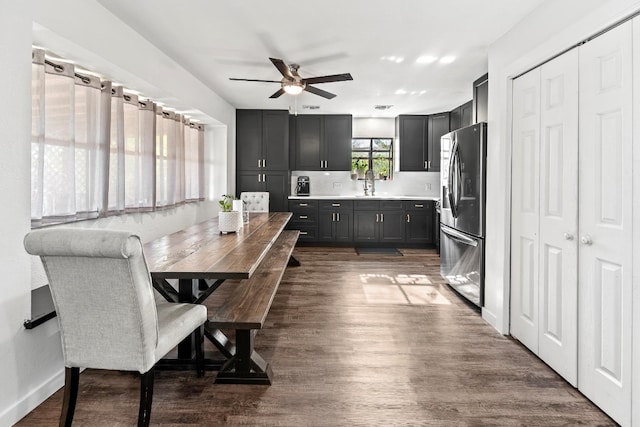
259,162
419,206
381,217
304,233
377,217
264,178
333,217
425,165
408,218
259,177
264,163
335,205
338,214
303,204
321,164
429,164
303,217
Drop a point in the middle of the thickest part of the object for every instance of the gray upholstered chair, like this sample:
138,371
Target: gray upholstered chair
108,316
255,201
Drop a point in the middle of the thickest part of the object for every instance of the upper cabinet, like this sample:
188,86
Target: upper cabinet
438,126
262,140
321,142
481,99
462,116
419,141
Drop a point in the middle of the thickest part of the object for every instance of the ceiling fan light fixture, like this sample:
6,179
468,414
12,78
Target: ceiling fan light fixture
293,88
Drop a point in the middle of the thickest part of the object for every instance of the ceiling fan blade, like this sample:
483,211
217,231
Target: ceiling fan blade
328,79
255,80
282,67
278,93
320,92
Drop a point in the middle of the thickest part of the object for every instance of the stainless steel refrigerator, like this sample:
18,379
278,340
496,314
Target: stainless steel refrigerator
462,217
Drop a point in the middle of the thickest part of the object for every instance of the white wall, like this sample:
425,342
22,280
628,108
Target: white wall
547,31
31,366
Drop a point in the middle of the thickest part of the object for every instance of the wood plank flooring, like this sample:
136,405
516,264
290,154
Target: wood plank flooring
354,340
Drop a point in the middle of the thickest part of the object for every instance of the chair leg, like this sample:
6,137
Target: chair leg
71,380
146,397
200,350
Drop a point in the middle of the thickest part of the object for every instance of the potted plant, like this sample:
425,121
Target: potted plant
359,166
228,220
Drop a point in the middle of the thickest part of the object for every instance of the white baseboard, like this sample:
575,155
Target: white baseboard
30,401
492,319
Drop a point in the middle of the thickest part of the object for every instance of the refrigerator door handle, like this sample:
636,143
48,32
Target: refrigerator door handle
459,237
452,164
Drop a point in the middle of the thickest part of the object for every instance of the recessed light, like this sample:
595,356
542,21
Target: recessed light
427,59
447,59
401,92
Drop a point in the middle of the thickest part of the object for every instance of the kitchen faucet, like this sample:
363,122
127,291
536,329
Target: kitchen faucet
370,183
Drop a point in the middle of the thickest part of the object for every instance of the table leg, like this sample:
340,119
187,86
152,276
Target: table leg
186,292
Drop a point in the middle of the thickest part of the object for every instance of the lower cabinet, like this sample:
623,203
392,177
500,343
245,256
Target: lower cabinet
378,221
419,221
305,219
389,222
335,221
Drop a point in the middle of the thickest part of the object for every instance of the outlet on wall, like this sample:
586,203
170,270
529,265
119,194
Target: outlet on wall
428,186
337,185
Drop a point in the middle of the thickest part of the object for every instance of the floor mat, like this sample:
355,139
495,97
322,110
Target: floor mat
378,251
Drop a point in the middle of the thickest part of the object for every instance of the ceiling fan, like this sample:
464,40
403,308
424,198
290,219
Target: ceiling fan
293,84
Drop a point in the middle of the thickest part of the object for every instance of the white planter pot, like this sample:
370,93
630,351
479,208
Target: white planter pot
229,222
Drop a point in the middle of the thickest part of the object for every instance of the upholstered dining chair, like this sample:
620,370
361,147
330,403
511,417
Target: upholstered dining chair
106,309
255,201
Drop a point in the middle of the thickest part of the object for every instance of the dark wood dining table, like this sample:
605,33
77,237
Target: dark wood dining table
201,259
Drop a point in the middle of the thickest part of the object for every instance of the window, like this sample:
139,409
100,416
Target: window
372,153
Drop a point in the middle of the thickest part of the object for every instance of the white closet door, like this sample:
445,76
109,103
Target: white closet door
605,198
558,277
525,199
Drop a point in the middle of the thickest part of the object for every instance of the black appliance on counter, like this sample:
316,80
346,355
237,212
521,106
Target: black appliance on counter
462,217
302,187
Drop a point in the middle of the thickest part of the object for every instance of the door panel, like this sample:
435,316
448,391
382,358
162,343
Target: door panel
605,280
558,287
275,140
525,209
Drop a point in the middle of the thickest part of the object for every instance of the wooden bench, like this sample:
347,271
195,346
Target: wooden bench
245,310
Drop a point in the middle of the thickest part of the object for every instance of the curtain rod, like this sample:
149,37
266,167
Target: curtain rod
59,68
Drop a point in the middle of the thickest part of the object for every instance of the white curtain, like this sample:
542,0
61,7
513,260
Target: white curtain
97,150
53,141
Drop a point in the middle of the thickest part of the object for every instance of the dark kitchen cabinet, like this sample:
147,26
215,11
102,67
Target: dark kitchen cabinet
262,140
276,183
335,221
411,133
262,154
419,225
419,140
378,221
322,142
481,99
461,116
438,126
304,218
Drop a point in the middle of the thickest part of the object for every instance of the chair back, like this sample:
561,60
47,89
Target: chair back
255,201
103,296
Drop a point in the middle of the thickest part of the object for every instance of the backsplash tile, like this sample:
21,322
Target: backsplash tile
340,184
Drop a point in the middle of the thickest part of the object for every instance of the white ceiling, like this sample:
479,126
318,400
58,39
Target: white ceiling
215,40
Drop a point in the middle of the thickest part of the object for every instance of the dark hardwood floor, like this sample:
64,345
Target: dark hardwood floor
355,341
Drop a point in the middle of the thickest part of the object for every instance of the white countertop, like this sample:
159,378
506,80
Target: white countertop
363,197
